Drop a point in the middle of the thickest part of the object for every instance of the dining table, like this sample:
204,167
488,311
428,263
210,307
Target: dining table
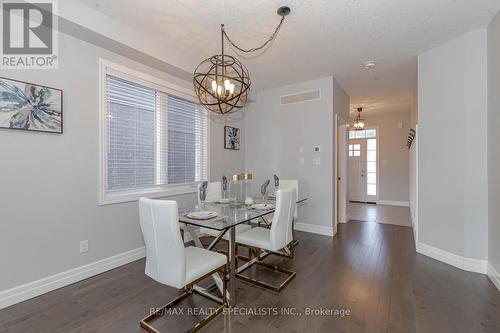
230,213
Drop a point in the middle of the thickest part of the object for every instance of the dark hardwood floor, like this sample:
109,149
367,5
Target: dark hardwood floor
370,269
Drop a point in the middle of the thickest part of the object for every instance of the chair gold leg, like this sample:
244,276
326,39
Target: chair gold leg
145,323
276,289
224,286
205,320
159,312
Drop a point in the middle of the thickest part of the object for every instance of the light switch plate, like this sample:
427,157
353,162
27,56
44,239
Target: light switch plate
301,161
301,149
84,246
316,161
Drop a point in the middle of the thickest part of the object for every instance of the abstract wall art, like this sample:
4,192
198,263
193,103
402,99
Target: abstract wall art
231,138
31,107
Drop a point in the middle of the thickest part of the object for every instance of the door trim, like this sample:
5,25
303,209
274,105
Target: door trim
372,199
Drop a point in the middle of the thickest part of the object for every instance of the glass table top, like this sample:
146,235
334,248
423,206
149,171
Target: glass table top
229,214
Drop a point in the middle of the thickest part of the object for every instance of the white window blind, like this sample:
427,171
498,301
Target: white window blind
154,138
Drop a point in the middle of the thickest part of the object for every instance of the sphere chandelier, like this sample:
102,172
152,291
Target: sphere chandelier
222,82
359,123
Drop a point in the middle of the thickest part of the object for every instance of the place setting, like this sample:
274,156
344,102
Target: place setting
208,216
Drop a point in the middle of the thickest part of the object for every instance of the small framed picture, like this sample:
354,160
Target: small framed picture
231,138
30,107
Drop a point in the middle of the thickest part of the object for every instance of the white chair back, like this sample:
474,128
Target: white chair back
291,183
214,191
281,228
165,256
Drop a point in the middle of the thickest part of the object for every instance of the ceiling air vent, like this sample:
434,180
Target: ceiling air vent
301,97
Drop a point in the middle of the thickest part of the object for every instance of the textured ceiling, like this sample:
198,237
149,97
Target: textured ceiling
319,38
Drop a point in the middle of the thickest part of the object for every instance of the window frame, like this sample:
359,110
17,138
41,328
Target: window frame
107,198
353,150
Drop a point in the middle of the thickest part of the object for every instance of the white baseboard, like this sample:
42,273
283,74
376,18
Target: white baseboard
315,229
466,264
32,289
36,288
414,230
393,203
494,276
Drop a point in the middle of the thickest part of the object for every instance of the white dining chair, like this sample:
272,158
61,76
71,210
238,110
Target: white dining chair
214,192
273,239
170,263
287,184
291,183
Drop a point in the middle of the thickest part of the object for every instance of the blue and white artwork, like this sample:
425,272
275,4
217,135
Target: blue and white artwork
231,138
30,107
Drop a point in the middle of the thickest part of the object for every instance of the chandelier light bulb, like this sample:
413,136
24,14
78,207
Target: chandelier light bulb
214,86
219,90
227,83
231,88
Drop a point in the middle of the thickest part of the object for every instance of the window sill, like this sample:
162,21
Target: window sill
110,198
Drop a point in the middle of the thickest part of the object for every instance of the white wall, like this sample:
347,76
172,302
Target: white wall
452,160
413,182
493,145
393,154
275,133
341,102
224,162
341,105
413,159
49,182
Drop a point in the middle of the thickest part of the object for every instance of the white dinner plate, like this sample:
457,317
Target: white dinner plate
203,215
224,200
262,206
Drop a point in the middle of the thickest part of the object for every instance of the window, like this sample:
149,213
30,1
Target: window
371,133
363,134
154,138
371,167
355,150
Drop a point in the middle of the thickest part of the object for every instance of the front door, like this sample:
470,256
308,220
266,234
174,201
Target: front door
357,163
363,165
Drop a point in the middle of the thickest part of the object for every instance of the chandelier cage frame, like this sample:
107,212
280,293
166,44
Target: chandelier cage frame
359,123
221,82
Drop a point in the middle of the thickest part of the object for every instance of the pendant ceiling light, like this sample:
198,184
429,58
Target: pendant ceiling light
359,123
222,82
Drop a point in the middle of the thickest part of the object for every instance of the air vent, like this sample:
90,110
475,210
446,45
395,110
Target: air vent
301,97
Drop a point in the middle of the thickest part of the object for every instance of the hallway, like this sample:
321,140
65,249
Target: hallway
379,213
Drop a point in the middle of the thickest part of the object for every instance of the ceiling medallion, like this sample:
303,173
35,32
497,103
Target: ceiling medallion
359,123
222,82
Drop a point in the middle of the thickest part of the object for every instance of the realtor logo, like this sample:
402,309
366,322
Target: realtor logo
29,34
